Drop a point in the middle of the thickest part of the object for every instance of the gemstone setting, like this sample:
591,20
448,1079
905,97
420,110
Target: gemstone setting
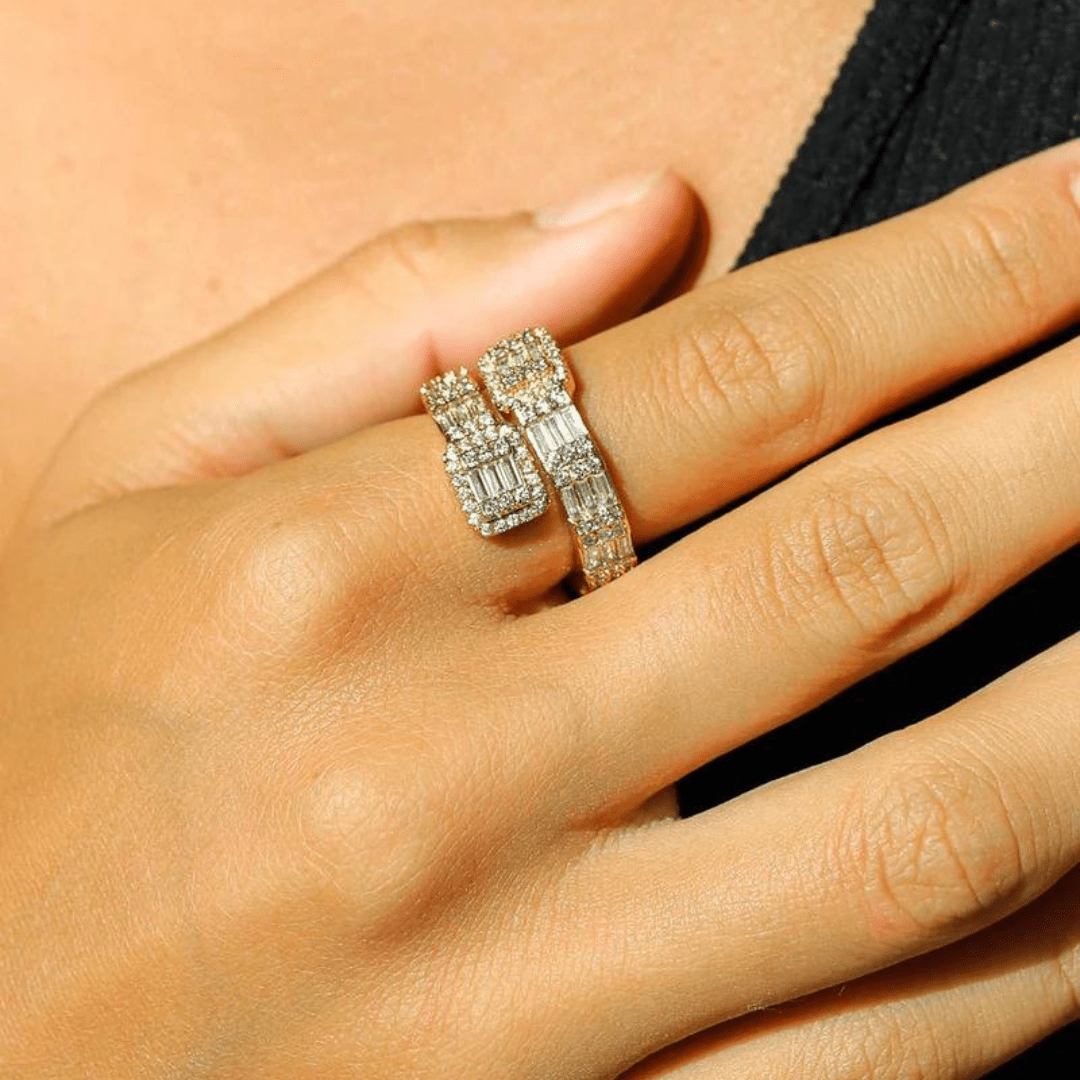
488,462
527,377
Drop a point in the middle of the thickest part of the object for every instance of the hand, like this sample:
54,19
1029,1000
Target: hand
304,778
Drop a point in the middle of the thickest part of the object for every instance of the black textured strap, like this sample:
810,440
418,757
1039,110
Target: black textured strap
883,71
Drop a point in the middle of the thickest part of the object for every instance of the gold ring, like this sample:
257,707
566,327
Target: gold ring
528,379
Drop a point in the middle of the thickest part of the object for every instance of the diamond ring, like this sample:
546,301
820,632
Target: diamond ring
528,379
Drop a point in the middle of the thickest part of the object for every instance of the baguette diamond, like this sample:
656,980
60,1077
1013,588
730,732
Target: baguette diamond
528,379
487,460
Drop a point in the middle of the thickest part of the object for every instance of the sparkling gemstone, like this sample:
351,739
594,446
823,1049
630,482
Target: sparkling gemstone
478,483
572,418
601,488
579,500
555,430
514,477
465,410
542,436
498,478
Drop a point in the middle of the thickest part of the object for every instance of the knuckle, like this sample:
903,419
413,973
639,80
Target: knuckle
372,840
278,579
410,253
933,846
1007,254
888,1043
754,365
879,549
400,834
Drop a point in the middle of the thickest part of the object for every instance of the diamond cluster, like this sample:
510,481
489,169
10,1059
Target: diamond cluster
527,376
489,465
564,446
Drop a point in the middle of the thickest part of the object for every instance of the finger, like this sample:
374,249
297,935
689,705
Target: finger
917,840
858,559
727,388
350,347
691,413
952,1015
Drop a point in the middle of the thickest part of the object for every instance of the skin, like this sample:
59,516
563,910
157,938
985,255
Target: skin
159,201
166,172
303,778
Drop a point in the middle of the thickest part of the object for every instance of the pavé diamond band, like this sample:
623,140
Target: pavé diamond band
527,378
491,468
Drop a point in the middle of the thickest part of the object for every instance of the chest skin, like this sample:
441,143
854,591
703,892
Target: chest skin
169,166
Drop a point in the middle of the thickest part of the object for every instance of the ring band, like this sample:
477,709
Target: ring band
527,377
493,473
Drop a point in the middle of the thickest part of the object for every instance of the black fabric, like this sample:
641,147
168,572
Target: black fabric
932,94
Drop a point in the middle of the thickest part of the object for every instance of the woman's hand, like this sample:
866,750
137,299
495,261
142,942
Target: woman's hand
302,777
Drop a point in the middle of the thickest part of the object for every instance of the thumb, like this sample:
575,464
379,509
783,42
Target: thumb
351,346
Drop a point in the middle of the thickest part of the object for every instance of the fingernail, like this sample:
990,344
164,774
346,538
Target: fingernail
615,194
